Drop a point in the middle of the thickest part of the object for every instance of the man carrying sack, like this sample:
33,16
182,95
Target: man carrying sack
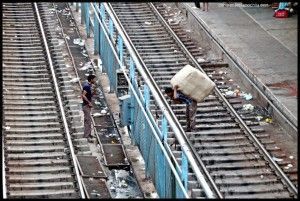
189,86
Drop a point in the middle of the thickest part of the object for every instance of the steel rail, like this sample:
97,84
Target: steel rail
142,106
60,103
239,119
164,106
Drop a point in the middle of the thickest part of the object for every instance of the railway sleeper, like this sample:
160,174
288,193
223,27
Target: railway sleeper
222,145
247,181
36,149
26,156
40,162
39,170
28,82
245,172
49,194
31,113
32,124
40,186
269,195
34,130
29,92
30,119
33,136
229,158
252,189
36,142
233,166
226,151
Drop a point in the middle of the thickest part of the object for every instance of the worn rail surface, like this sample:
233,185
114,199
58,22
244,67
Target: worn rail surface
38,151
234,148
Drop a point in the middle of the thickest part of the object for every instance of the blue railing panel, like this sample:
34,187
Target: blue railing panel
144,129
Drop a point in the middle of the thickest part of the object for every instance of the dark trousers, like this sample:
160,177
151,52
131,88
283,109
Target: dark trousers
87,121
191,111
197,4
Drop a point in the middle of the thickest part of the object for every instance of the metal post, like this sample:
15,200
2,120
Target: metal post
96,34
102,13
132,102
120,47
82,13
164,131
184,170
77,7
164,128
111,28
146,95
87,19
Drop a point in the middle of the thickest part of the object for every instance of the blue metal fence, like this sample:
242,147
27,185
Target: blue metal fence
169,178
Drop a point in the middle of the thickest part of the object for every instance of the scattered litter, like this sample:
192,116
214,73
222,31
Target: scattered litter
60,42
188,30
84,54
247,96
261,176
237,92
113,189
200,60
111,155
248,107
288,166
96,114
221,72
148,23
175,50
123,184
103,111
291,157
6,127
97,102
230,80
6,89
277,159
86,66
269,120
258,118
74,80
78,41
229,93
66,36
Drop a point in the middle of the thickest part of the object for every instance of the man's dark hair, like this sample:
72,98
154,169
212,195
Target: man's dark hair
90,77
168,90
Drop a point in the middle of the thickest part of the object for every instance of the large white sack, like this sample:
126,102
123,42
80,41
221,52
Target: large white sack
193,83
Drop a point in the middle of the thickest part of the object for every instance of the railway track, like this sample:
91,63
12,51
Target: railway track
237,165
39,156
